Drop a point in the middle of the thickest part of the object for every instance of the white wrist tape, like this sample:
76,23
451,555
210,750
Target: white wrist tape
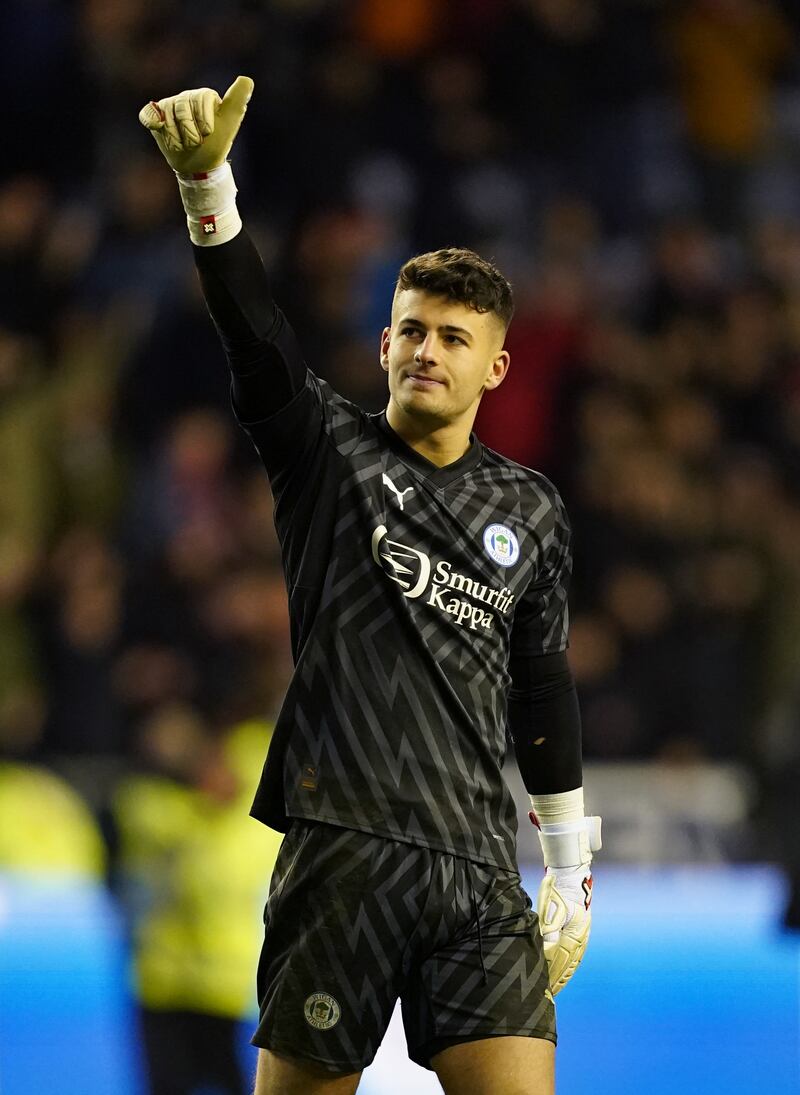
210,203
570,843
563,806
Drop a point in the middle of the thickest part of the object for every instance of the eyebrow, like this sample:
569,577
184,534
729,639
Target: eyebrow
448,328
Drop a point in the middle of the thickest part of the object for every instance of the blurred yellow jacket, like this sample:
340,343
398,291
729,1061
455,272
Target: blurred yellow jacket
45,826
196,871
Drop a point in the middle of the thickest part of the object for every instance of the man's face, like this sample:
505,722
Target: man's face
441,356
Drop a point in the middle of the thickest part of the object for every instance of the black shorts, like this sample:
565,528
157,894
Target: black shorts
354,921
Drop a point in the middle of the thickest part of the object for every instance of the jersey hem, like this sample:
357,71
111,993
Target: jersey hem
403,838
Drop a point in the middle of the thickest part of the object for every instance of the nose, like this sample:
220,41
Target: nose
425,353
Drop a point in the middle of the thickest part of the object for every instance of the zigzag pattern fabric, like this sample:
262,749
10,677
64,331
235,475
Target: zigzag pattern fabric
354,921
409,587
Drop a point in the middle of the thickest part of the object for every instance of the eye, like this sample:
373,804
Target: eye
410,332
454,338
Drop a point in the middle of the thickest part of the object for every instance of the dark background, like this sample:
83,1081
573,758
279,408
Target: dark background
632,166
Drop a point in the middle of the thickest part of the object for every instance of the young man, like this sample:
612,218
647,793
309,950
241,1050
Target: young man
427,582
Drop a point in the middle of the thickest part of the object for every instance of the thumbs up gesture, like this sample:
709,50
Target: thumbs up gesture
195,129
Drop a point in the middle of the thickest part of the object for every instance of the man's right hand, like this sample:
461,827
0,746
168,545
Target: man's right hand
195,129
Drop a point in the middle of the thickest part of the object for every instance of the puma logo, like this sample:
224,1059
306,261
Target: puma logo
400,494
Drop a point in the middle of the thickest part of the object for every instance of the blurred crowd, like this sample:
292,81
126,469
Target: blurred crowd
633,166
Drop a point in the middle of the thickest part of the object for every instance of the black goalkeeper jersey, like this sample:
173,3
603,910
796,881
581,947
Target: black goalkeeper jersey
410,587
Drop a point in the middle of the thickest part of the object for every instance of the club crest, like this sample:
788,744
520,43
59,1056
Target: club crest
321,1011
501,545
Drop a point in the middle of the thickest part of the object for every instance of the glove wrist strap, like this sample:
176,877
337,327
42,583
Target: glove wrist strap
210,203
570,843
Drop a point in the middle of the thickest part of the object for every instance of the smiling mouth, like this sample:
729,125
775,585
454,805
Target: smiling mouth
425,381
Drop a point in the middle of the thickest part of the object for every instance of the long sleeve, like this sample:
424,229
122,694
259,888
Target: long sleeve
265,360
545,724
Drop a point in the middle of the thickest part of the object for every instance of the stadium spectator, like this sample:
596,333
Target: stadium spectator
726,54
193,870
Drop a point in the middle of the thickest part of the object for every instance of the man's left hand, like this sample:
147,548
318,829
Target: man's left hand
565,918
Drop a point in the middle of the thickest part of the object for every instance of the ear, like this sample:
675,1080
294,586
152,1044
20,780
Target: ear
387,334
499,369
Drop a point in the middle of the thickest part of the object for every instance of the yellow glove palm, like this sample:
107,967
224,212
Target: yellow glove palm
195,129
565,918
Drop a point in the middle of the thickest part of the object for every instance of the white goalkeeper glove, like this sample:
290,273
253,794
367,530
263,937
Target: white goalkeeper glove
565,895
195,131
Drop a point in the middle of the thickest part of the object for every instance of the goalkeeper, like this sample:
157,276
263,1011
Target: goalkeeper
427,580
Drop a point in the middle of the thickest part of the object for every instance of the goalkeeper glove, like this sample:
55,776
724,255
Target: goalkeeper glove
195,131
565,895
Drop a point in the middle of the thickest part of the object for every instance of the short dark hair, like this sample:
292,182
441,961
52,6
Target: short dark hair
462,276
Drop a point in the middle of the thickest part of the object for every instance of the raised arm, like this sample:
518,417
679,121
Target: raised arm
195,131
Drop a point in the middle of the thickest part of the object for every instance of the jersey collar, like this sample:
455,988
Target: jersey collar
440,477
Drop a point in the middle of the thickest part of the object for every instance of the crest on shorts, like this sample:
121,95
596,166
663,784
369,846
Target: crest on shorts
321,1011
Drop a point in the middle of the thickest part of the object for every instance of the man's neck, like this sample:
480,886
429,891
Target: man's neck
441,444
